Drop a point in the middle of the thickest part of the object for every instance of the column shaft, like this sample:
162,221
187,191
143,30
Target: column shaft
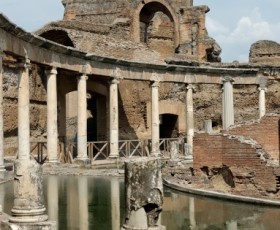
2,167
190,120
155,119
228,111
52,132
82,118
261,102
23,111
114,119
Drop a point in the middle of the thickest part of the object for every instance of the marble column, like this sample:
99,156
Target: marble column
82,120
23,111
52,133
228,110
115,203
114,119
262,90
2,167
28,183
155,119
189,120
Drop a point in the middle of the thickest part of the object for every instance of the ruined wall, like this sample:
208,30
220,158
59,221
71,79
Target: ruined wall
246,170
265,132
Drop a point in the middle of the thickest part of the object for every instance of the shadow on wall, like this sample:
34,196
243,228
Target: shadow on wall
126,132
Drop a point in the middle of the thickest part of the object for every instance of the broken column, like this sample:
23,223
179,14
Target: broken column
155,119
82,157
144,194
52,133
28,188
207,124
228,110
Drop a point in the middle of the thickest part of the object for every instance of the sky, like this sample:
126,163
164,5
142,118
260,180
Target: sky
234,24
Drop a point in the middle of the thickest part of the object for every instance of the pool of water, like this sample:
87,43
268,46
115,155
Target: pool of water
86,203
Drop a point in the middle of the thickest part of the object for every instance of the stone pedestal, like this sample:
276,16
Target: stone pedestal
28,193
207,126
144,194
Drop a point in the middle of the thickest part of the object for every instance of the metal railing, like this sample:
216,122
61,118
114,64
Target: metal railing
100,150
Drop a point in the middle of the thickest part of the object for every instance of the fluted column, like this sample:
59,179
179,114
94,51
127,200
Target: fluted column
189,120
262,90
2,167
52,132
155,119
23,111
82,120
228,110
114,119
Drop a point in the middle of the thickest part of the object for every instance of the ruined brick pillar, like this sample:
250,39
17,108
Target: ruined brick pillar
2,167
155,119
82,157
228,110
114,119
189,120
52,132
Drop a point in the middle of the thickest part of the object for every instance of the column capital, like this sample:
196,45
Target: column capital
227,79
52,71
262,88
114,81
82,77
155,84
24,63
190,86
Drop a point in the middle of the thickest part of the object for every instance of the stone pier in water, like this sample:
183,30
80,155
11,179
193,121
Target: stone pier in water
144,194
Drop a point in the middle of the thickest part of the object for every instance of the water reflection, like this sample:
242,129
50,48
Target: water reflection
87,203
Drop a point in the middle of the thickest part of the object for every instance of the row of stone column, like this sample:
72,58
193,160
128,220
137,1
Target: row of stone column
52,130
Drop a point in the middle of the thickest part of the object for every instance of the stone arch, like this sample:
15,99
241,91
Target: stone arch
58,36
163,5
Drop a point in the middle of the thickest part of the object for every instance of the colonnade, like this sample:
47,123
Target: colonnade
52,129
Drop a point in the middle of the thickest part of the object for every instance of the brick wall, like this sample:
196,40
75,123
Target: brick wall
218,150
265,133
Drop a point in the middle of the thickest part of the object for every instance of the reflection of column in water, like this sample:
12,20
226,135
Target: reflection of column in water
2,197
72,204
115,203
53,199
192,213
231,225
83,202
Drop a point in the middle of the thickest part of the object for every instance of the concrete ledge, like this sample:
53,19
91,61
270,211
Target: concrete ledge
222,196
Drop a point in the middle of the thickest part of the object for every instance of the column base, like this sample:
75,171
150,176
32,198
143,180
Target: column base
158,227
46,225
113,156
82,161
